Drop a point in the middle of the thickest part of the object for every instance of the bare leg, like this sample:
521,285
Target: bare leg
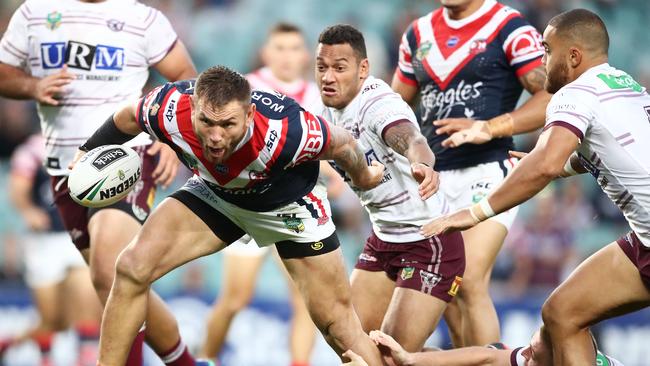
173,235
239,275
371,295
420,311
162,331
322,280
480,321
454,319
579,303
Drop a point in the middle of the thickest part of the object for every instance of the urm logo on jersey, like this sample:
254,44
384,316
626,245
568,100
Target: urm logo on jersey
82,56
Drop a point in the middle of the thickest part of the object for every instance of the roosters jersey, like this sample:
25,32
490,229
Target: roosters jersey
302,91
468,68
108,46
274,164
394,206
610,114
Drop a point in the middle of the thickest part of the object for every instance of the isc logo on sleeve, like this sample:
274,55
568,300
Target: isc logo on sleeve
83,56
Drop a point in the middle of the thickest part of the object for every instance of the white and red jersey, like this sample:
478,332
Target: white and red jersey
610,114
109,47
395,208
468,68
274,164
302,91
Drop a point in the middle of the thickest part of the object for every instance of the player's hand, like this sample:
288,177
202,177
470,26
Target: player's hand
52,87
427,177
477,133
355,359
168,163
457,221
36,218
397,353
451,125
77,156
371,177
517,154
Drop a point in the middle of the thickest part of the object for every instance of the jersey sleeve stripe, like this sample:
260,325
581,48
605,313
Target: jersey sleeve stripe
568,126
514,355
280,147
138,115
18,50
155,59
318,203
405,78
325,128
533,64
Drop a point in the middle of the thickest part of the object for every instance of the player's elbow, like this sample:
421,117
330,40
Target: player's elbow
550,169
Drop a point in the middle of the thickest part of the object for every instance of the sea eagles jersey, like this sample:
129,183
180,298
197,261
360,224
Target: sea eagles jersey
394,206
108,46
610,114
468,68
27,161
302,91
273,165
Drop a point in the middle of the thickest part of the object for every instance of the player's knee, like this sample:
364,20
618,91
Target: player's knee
554,315
237,302
134,267
473,287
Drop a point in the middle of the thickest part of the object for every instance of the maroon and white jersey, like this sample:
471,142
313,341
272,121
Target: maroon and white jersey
108,46
302,91
273,165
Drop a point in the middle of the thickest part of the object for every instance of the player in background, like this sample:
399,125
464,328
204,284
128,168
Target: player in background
537,353
255,159
80,60
596,122
469,62
55,272
286,58
400,272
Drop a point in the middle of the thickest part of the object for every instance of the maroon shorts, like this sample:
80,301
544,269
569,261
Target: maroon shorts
638,253
137,204
434,266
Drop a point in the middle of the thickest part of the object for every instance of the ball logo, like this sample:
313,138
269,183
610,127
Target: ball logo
108,157
125,185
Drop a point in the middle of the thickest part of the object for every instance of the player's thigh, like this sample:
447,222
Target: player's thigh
605,285
323,283
482,244
81,301
420,311
173,235
371,295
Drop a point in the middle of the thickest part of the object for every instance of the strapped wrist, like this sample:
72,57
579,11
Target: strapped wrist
501,126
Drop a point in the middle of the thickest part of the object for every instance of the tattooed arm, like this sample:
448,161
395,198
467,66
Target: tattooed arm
530,116
405,138
347,155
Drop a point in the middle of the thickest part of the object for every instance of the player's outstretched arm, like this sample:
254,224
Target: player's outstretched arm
343,149
528,117
405,138
15,83
177,64
118,129
406,91
543,164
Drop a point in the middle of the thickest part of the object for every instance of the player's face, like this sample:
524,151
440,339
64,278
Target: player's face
339,74
537,353
555,60
286,55
219,130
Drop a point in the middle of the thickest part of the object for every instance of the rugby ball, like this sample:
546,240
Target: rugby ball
104,175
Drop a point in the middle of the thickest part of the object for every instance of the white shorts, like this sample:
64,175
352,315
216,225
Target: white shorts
48,257
294,222
465,187
246,247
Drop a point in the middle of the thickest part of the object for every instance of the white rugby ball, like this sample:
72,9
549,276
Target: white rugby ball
104,175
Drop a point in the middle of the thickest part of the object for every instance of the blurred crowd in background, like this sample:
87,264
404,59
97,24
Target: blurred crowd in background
554,232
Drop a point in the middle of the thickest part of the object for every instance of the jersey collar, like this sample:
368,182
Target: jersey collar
456,24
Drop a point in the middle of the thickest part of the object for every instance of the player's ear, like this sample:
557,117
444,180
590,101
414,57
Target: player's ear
250,114
364,69
575,57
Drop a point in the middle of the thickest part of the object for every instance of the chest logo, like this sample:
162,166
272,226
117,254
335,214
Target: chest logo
115,25
54,20
452,41
477,46
423,50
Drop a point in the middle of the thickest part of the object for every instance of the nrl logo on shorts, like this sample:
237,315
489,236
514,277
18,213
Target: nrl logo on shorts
294,224
407,272
423,50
